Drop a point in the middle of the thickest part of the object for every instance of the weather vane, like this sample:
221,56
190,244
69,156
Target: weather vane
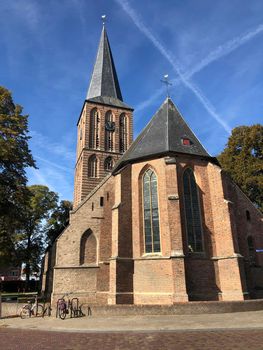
103,17
167,83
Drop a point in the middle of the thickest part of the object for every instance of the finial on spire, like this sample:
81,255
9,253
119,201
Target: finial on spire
103,18
167,83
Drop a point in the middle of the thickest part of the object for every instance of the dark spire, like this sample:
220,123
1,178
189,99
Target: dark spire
104,81
165,134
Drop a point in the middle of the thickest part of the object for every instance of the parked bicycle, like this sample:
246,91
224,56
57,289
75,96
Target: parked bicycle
31,309
71,307
63,307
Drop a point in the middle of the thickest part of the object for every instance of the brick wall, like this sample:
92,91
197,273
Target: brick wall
84,184
125,274
88,281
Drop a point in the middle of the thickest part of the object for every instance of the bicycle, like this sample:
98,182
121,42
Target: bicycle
63,307
31,308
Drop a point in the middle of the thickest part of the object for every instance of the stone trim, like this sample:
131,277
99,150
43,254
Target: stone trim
170,160
177,254
234,256
173,197
116,206
92,266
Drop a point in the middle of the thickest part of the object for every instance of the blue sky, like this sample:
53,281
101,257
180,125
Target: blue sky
212,51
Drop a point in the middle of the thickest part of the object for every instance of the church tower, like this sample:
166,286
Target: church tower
105,125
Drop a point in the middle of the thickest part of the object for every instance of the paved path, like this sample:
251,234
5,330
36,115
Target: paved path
242,330
14,339
236,320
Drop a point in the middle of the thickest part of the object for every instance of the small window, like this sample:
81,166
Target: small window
108,196
248,215
186,141
92,206
101,201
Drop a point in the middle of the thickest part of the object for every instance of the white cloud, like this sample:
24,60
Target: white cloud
58,149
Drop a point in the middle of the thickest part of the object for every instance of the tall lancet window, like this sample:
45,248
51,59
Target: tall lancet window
93,166
109,131
192,212
151,213
94,141
123,132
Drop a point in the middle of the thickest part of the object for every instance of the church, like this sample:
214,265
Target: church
155,220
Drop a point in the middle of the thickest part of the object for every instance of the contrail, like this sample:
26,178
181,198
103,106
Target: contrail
60,167
213,56
185,78
225,49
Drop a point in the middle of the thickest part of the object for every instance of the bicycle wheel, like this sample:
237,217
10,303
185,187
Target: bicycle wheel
62,313
25,312
38,311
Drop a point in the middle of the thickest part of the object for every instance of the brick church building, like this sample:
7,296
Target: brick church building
155,221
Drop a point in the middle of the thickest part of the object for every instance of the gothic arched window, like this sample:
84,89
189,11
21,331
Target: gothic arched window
192,212
151,213
109,131
93,166
108,164
88,248
123,132
94,129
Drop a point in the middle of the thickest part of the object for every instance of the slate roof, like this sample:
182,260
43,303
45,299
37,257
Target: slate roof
164,134
104,85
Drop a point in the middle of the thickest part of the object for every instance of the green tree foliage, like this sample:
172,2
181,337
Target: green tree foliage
58,221
243,160
31,237
15,156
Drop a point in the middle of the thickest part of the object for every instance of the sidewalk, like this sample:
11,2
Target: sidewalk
237,320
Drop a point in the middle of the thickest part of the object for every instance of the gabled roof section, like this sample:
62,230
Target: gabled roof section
164,134
104,81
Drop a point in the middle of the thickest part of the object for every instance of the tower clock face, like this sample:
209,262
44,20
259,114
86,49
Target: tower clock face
109,126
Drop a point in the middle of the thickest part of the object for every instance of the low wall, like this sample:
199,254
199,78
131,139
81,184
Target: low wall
189,308
11,309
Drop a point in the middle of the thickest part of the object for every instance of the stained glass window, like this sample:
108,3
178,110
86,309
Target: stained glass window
192,212
151,213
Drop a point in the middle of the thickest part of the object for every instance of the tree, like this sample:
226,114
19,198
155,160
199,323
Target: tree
243,160
15,156
58,221
30,238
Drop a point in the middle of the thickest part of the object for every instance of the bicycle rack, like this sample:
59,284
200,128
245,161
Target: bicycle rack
75,309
